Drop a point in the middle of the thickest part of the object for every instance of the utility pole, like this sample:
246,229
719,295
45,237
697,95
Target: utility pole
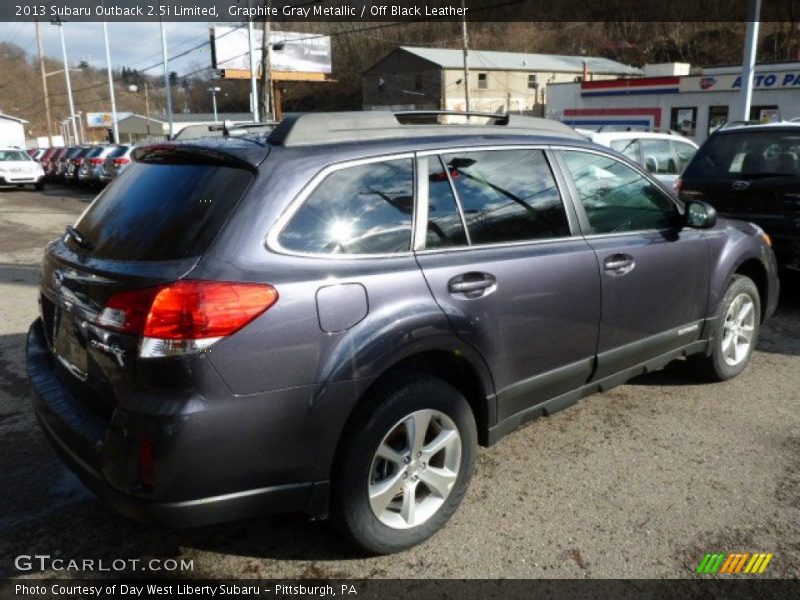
147,108
44,86
466,55
749,61
60,24
251,40
266,79
167,85
115,127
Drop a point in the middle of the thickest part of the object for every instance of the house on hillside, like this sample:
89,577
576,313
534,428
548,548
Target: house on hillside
411,78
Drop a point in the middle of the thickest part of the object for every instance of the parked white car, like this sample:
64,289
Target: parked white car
18,169
663,154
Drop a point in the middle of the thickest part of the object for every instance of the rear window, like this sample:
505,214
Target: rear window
159,212
118,151
742,154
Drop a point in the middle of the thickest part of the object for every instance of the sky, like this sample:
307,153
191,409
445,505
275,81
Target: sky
135,45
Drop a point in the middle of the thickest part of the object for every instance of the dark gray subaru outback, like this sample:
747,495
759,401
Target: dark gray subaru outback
333,317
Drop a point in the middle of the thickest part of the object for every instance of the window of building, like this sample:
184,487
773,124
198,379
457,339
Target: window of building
483,81
365,209
617,198
717,117
507,196
445,228
765,114
684,121
418,82
533,83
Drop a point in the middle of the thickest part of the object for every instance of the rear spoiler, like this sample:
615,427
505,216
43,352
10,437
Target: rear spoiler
169,153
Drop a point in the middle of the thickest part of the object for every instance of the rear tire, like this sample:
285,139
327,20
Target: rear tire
39,186
735,332
404,464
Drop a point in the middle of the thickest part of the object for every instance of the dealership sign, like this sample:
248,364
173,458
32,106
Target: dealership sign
761,81
96,120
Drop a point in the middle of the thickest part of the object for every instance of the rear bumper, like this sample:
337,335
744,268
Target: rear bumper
91,449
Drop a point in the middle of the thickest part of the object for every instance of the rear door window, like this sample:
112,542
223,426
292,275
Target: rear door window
629,148
684,152
362,209
658,157
162,211
507,196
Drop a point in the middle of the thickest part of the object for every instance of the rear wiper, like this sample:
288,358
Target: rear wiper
79,239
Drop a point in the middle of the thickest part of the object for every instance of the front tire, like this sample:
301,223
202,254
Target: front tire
735,333
404,464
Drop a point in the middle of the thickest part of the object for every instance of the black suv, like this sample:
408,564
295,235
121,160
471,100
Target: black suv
332,318
752,172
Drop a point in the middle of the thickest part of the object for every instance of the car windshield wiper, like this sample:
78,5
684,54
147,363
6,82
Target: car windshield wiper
79,238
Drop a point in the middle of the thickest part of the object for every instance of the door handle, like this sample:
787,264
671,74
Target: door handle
619,264
473,285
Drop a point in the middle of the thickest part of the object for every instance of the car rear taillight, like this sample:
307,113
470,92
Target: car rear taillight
95,161
77,161
121,161
186,316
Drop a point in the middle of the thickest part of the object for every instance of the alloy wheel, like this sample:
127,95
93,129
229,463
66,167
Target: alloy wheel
414,469
738,329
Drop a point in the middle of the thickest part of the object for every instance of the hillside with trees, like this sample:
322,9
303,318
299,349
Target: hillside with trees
357,46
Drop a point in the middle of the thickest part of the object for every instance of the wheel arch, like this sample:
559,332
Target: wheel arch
755,270
458,365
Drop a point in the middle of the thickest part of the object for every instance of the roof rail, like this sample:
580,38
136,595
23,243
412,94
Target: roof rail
325,128
730,124
641,128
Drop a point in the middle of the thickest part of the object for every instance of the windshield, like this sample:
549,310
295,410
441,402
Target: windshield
9,155
162,211
747,154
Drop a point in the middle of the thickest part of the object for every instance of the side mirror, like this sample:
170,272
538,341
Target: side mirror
700,215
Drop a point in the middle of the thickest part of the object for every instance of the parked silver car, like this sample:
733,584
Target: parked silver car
96,157
115,163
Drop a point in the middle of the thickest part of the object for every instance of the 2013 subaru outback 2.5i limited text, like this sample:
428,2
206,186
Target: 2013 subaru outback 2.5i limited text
331,318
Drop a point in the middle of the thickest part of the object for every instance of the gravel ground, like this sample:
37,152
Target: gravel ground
638,482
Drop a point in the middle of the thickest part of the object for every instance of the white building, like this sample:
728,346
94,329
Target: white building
412,78
12,131
669,98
